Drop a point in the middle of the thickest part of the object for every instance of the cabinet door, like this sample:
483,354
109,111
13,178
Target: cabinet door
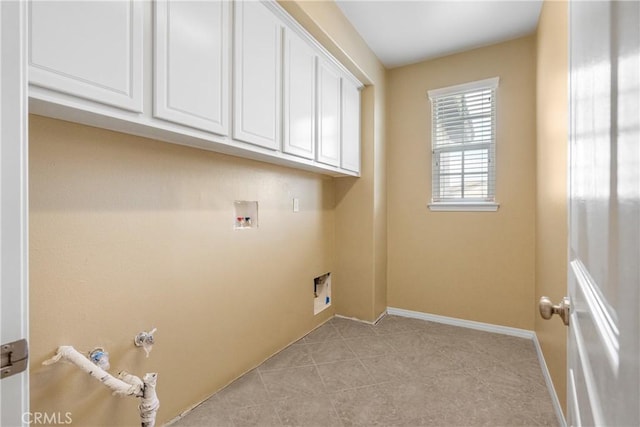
329,104
192,63
350,126
299,97
257,75
88,49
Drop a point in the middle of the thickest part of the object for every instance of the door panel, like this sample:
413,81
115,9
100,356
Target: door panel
14,390
192,64
257,75
92,50
350,126
604,217
329,115
299,97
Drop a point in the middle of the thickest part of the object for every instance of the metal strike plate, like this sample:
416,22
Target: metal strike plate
14,358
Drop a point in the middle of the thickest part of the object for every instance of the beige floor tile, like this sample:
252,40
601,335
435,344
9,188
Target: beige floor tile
211,412
368,346
344,374
326,332
389,368
511,348
393,325
351,328
470,357
255,416
292,356
409,342
366,406
331,351
247,390
293,383
400,372
309,412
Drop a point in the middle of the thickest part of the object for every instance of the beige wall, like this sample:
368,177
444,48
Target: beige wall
472,265
551,195
129,234
361,206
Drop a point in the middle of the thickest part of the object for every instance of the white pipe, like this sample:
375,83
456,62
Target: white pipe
126,385
131,379
149,404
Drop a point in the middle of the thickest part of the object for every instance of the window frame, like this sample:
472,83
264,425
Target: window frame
465,204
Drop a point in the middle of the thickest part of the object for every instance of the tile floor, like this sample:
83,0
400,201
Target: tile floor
400,372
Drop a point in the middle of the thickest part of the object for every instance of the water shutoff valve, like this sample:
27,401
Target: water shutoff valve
145,340
100,357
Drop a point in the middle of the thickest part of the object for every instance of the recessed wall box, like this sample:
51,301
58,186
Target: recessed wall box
321,293
245,215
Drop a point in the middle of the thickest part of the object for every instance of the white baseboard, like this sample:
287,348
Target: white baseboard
487,327
549,382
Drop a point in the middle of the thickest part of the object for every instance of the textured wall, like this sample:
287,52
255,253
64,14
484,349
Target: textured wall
361,204
470,265
129,234
551,196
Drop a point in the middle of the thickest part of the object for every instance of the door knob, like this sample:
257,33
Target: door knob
547,309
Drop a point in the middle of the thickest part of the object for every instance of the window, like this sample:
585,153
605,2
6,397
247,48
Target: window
463,146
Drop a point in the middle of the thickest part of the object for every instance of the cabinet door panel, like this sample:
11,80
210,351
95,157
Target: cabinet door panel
91,50
192,63
299,97
329,103
257,74
350,126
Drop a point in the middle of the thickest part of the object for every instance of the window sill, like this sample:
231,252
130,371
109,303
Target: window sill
464,207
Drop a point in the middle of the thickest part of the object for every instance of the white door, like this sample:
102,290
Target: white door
14,389
604,278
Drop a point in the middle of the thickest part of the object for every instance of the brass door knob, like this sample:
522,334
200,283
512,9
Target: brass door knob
547,309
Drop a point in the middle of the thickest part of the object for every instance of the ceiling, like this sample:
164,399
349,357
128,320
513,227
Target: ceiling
403,32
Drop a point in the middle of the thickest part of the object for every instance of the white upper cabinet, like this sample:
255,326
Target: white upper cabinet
88,49
257,75
299,109
191,85
239,77
350,126
329,114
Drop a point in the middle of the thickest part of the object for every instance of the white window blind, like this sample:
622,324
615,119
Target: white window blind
463,143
